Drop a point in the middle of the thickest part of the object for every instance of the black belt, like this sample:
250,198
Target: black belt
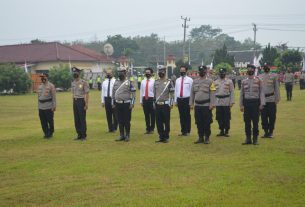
222,96
46,100
75,99
203,102
254,100
269,94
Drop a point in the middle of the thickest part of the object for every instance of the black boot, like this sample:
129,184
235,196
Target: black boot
266,134
199,141
226,133
221,133
270,134
121,138
127,138
247,141
255,140
207,140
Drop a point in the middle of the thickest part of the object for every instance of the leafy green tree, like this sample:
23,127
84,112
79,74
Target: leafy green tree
291,58
204,32
121,44
227,66
269,55
13,77
222,56
61,76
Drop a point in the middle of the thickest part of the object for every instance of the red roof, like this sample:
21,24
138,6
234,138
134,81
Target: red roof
93,53
44,52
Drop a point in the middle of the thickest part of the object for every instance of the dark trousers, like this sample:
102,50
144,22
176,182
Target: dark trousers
99,86
90,85
234,82
269,117
47,121
203,118
139,85
302,84
110,114
149,112
163,120
124,117
239,84
80,117
223,116
289,87
185,115
251,116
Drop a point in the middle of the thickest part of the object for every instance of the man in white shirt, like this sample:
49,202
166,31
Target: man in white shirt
183,88
147,100
106,97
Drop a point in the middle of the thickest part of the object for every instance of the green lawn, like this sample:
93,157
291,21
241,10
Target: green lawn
102,172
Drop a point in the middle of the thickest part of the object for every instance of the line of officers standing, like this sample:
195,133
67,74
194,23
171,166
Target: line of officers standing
258,95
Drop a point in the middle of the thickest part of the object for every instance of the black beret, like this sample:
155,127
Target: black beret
76,70
266,66
44,75
222,70
202,67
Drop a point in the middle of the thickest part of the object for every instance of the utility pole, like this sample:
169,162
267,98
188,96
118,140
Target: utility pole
164,51
189,51
254,42
185,19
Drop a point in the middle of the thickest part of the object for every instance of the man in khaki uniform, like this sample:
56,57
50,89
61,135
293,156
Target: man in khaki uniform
224,101
80,96
252,100
46,105
202,95
289,81
164,98
272,96
123,95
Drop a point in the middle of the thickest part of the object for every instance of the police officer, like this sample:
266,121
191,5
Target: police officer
90,83
182,97
202,94
147,100
123,94
164,95
289,80
272,96
46,105
80,96
99,82
252,100
106,97
224,101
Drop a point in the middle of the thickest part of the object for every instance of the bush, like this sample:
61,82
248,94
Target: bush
14,78
61,76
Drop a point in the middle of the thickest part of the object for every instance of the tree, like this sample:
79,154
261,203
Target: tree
227,66
122,44
291,58
204,32
269,55
60,76
222,56
14,78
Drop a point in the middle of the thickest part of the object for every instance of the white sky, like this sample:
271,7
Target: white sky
49,20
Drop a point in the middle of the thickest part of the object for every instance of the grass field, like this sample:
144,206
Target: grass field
100,172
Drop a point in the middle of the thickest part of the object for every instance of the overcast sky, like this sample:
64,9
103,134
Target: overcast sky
278,21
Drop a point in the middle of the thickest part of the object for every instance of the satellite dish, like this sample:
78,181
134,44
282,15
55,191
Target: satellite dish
108,49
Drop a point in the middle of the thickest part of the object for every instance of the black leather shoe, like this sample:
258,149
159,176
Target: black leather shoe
121,138
207,140
221,133
78,137
127,138
199,141
270,135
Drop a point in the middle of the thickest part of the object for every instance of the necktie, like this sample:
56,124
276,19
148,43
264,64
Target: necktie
181,88
146,90
108,89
